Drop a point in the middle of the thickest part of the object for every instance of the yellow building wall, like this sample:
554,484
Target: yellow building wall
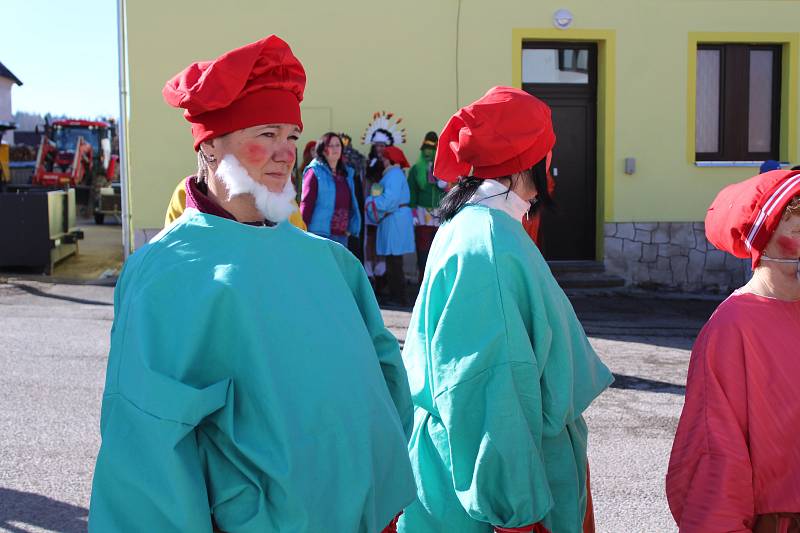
408,57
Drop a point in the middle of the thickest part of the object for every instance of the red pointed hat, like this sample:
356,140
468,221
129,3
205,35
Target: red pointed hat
505,131
259,83
396,156
743,216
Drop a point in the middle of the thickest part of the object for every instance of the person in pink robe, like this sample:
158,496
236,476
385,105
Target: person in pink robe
735,463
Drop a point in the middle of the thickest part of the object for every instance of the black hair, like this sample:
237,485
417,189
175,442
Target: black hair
796,167
459,195
375,169
319,151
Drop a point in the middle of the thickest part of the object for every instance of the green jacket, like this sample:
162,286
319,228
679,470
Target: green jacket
500,372
423,193
250,378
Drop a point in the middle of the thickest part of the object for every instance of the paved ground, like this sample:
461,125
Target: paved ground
53,346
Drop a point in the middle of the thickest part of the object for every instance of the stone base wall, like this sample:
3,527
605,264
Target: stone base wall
676,255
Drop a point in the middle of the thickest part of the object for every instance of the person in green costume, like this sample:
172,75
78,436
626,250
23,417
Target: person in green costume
251,385
499,366
426,193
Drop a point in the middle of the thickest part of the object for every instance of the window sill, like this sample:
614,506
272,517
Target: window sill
755,164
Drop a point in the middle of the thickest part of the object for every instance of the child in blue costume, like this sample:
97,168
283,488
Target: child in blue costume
499,366
251,385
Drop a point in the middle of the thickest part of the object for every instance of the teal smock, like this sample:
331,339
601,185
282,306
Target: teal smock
500,371
250,377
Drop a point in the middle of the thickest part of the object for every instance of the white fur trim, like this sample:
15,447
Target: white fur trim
276,207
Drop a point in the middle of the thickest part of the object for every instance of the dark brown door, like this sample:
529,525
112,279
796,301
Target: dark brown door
564,75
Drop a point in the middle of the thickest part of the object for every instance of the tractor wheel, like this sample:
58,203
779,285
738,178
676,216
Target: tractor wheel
99,218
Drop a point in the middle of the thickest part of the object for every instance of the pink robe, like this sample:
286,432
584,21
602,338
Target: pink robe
737,450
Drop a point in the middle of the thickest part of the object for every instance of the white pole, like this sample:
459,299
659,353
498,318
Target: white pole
122,127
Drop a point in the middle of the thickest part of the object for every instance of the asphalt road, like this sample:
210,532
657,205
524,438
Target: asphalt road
53,347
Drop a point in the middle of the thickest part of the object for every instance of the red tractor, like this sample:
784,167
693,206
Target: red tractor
78,153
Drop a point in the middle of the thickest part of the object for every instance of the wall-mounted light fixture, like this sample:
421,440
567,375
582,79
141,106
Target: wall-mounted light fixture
562,19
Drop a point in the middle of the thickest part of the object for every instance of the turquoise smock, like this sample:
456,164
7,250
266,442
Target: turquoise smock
500,371
250,378
391,212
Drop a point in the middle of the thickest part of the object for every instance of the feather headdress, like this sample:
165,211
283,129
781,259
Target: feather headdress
384,128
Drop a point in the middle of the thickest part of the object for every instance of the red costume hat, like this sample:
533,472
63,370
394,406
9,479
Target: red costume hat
396,156
743,216
259,83
505,131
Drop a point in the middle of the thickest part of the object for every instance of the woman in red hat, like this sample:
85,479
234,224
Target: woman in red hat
735,463
499,366
221,409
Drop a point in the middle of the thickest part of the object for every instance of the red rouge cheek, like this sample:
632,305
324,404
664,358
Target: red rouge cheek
255,153
789,246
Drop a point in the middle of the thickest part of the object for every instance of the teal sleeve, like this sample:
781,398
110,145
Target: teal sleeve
149,475
486,385
386,345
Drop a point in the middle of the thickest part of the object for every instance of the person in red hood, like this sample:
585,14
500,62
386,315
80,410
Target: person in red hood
735,462
222,409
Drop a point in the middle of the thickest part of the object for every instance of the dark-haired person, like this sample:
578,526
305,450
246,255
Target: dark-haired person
328,202
426,193
382,132
735,462
499,366
223,411
309,152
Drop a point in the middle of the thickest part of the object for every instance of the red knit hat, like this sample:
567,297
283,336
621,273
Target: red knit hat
259,83
743,216
505,131
396,156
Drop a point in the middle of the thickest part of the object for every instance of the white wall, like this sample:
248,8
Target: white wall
5,107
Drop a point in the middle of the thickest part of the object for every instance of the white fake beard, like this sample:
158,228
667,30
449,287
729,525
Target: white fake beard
276,207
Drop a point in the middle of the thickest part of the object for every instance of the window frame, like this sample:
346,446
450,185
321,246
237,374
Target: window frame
733,122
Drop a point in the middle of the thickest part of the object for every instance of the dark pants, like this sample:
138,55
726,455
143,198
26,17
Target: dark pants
397,279
424,238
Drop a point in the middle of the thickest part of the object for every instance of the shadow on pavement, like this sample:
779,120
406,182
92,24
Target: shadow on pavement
677,340
671,323
26,508
621,381
36,292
